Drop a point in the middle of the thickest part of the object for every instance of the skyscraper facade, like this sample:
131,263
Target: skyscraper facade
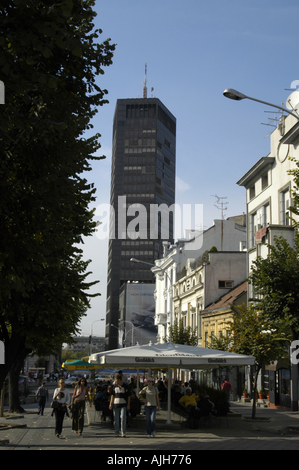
142,181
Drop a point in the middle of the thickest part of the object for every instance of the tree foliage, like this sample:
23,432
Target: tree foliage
49,61
254,333
275,282
178,334
221,344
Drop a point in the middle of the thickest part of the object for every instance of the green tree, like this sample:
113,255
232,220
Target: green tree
221,344
254,333
49,60
178,334
275,282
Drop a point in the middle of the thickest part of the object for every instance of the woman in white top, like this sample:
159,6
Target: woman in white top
62,396
150,395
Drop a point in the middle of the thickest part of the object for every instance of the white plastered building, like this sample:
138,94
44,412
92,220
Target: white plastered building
268,187
180,260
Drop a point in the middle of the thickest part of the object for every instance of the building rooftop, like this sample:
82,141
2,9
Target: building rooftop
229,298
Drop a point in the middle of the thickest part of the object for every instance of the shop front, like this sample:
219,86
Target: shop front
279,384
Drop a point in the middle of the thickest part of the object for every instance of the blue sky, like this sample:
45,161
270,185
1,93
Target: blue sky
194,50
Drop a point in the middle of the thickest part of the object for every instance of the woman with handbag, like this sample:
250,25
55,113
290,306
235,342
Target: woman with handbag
78,406
61,398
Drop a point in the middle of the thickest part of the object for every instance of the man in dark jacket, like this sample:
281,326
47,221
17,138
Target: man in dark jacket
42,396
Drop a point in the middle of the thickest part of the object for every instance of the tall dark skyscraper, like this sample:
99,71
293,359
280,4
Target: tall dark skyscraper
142,178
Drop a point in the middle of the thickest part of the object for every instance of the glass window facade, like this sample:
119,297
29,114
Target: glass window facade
142,171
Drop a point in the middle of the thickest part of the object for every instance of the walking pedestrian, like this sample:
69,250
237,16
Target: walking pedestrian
150,395
62,396
120,403
78,406
227,387
42,396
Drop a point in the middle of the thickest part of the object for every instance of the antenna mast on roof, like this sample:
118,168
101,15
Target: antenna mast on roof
220,205
220,202
145,82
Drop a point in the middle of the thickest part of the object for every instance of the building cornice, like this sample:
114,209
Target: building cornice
256,170
292,136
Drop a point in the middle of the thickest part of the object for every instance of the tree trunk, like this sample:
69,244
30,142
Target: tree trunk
2,401
254,393
14,373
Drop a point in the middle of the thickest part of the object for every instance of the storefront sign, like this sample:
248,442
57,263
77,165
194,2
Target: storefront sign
144,359
217,361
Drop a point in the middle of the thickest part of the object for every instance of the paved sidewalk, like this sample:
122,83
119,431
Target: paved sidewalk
273,430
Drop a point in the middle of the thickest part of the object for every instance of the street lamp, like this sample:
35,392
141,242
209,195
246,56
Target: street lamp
133,332
134,260
91,333
237,96
132,329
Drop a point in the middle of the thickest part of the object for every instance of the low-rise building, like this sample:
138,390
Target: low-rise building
217,316
216,320
230,235
217,274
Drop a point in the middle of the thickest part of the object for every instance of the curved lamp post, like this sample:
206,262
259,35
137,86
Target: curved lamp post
237,96
91,333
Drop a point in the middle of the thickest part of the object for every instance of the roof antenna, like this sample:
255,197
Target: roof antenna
145,82
220,205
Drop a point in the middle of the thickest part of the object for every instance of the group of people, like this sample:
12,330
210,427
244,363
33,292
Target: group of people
121,397
62,403
194,404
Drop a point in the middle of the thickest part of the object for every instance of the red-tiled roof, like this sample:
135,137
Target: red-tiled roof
228,298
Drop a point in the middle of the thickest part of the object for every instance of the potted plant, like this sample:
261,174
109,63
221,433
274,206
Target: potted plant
245,393
262,394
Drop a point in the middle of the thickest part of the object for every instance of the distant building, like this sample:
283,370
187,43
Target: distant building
83,342
136,315
142,175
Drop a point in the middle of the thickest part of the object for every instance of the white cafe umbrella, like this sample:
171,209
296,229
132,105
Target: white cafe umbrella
170,356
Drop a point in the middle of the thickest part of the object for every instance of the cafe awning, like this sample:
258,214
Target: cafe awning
157,356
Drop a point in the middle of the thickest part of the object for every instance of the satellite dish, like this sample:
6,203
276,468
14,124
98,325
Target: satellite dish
293,101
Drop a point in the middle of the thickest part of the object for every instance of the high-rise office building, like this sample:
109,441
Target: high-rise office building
142,178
